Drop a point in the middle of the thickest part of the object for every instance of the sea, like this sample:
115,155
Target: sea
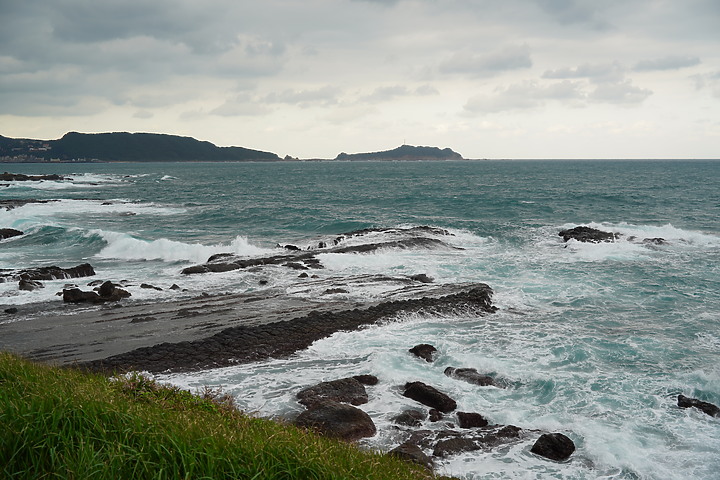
593,340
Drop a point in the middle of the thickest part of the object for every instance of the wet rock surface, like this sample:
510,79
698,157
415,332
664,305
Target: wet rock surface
587,234
243,343
337,420
706,407
347,390
554,446
471,375
9,233
425,351
47,273
429,396
19,177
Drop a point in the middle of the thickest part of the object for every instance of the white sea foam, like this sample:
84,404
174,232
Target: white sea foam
122,246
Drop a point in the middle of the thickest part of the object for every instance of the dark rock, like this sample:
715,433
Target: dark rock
19,177
322,245
366,379
709,408
9,232
509,431
262,282
106,289
94,283
75,295
303,275
423,278
453,446
11,310
435,415
424,351
295,266
174,286
142,319
429,396
471,375
151,287
293,248
655,241
413,454
587,234
337,420
49,273
107,292
554,446
471,420
251,343
410,418
347,390
331,291
29,285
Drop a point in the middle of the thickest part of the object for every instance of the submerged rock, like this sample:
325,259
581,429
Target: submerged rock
554,446
410,418
337,420
9,232
471,375
587,234
425,351
709,408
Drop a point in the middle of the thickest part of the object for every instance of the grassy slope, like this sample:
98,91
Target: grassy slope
57,423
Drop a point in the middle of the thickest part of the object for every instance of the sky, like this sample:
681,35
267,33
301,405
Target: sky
313,78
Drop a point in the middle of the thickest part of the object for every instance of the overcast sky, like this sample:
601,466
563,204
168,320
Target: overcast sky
312,78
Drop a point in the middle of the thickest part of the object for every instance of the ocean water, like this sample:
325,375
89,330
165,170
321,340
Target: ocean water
593,340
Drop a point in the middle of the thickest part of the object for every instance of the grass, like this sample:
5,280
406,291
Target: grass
64,424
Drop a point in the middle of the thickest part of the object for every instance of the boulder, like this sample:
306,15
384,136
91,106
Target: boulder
422,278
412,453
709,408
554,446
429,396
29,285
435,415
471,375
453,446
75,295
424,351
9,232
150,287
107,292
410,418
367,379
337,420
587,234
471,420
50,273
348,390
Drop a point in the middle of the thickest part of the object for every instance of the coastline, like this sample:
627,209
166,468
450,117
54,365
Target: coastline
211,331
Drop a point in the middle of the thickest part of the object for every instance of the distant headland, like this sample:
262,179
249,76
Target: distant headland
156,147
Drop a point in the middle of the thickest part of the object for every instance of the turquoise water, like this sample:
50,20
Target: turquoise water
595,340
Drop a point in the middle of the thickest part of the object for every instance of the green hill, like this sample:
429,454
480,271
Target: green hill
129,147
403,153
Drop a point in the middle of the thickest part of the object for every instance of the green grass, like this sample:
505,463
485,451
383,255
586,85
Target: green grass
64,424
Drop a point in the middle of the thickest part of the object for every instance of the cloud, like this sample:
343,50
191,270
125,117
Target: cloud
666,63
323,96
575,12
620,93
511,58
598,73
524,96
709,81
